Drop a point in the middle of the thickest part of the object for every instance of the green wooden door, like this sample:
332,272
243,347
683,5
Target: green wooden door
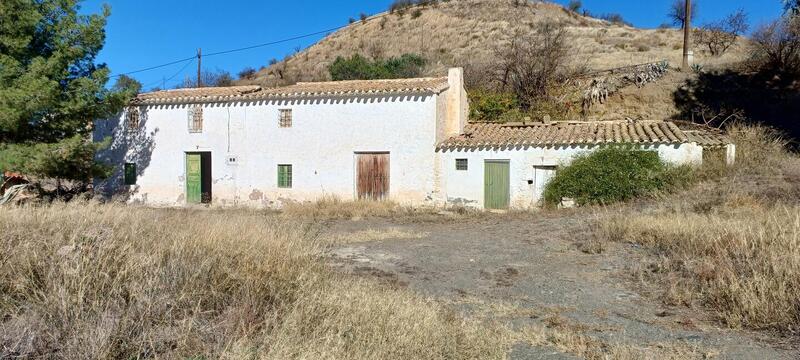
193,178
496,184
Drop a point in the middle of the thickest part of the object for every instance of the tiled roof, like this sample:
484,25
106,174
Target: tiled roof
207,92
707,137
489,135
307,89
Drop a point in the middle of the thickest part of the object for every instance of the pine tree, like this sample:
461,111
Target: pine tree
51,88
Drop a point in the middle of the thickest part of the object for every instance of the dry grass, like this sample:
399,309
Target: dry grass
335,208
744,263
731,243
331,207
106,281
373,235
568,336
466,33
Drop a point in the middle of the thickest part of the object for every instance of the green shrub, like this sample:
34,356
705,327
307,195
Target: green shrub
575,5
71,158
614,174
358,67
486,105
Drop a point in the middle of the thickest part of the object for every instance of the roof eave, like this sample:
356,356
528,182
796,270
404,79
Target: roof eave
257,97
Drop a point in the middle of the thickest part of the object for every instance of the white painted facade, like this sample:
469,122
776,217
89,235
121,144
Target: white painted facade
322,143
246,144
529,169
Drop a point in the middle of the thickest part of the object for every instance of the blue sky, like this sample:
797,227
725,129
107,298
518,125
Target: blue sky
144,33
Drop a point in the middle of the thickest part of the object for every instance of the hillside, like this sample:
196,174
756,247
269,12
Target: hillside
467,32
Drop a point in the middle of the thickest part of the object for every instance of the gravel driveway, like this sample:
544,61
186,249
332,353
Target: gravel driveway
532,263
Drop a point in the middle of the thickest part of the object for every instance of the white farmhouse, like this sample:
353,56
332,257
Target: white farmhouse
406,140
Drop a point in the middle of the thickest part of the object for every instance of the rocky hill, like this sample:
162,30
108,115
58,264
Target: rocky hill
467,32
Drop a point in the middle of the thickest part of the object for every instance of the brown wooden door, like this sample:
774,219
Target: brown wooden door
372,176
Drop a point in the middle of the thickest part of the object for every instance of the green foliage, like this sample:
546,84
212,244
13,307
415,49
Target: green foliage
127,84
614,174
71,158
50,87
358,67
575,5
487,105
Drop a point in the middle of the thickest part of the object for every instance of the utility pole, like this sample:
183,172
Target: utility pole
687,41
199,60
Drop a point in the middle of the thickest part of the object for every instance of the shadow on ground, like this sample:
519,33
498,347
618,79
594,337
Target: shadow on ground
761,98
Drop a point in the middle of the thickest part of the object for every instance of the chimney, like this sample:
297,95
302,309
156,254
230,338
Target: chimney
457,104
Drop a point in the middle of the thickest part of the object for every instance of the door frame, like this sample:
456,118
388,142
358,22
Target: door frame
355,171
537,201
507,162
206,182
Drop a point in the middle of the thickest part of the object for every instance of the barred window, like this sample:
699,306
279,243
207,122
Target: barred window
130,174
196,119
461,164
132,118
286,118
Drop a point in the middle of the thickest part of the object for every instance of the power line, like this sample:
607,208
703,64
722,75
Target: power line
250,47
155,67
188,62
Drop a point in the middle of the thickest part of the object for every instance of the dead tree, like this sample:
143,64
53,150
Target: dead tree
720,35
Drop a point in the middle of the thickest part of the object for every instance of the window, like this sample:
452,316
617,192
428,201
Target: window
461,164
284,176
130,174
196,119
132,118
285,120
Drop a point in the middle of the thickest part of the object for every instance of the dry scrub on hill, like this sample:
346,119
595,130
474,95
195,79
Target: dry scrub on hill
731,243
465,32
106,281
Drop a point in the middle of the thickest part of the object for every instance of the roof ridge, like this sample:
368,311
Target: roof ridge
254,87
486,134
429,78
327,88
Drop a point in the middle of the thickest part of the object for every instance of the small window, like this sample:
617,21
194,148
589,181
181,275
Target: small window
132,118
196,119
286,118
284,176
461,164
130,174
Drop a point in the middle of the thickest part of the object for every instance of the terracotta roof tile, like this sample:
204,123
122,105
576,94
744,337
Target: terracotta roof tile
307,89
579,133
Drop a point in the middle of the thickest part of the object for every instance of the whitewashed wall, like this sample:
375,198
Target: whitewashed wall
467,187
321,145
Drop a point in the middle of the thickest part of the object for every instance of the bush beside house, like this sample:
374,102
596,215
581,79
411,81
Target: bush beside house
612,175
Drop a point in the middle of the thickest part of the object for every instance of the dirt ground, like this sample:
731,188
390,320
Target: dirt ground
528,269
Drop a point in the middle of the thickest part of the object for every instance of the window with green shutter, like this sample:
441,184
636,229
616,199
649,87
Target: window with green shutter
284,176
130,174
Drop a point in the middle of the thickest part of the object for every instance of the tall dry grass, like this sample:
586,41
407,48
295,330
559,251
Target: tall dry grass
86,280
732,242
331,207
744,264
